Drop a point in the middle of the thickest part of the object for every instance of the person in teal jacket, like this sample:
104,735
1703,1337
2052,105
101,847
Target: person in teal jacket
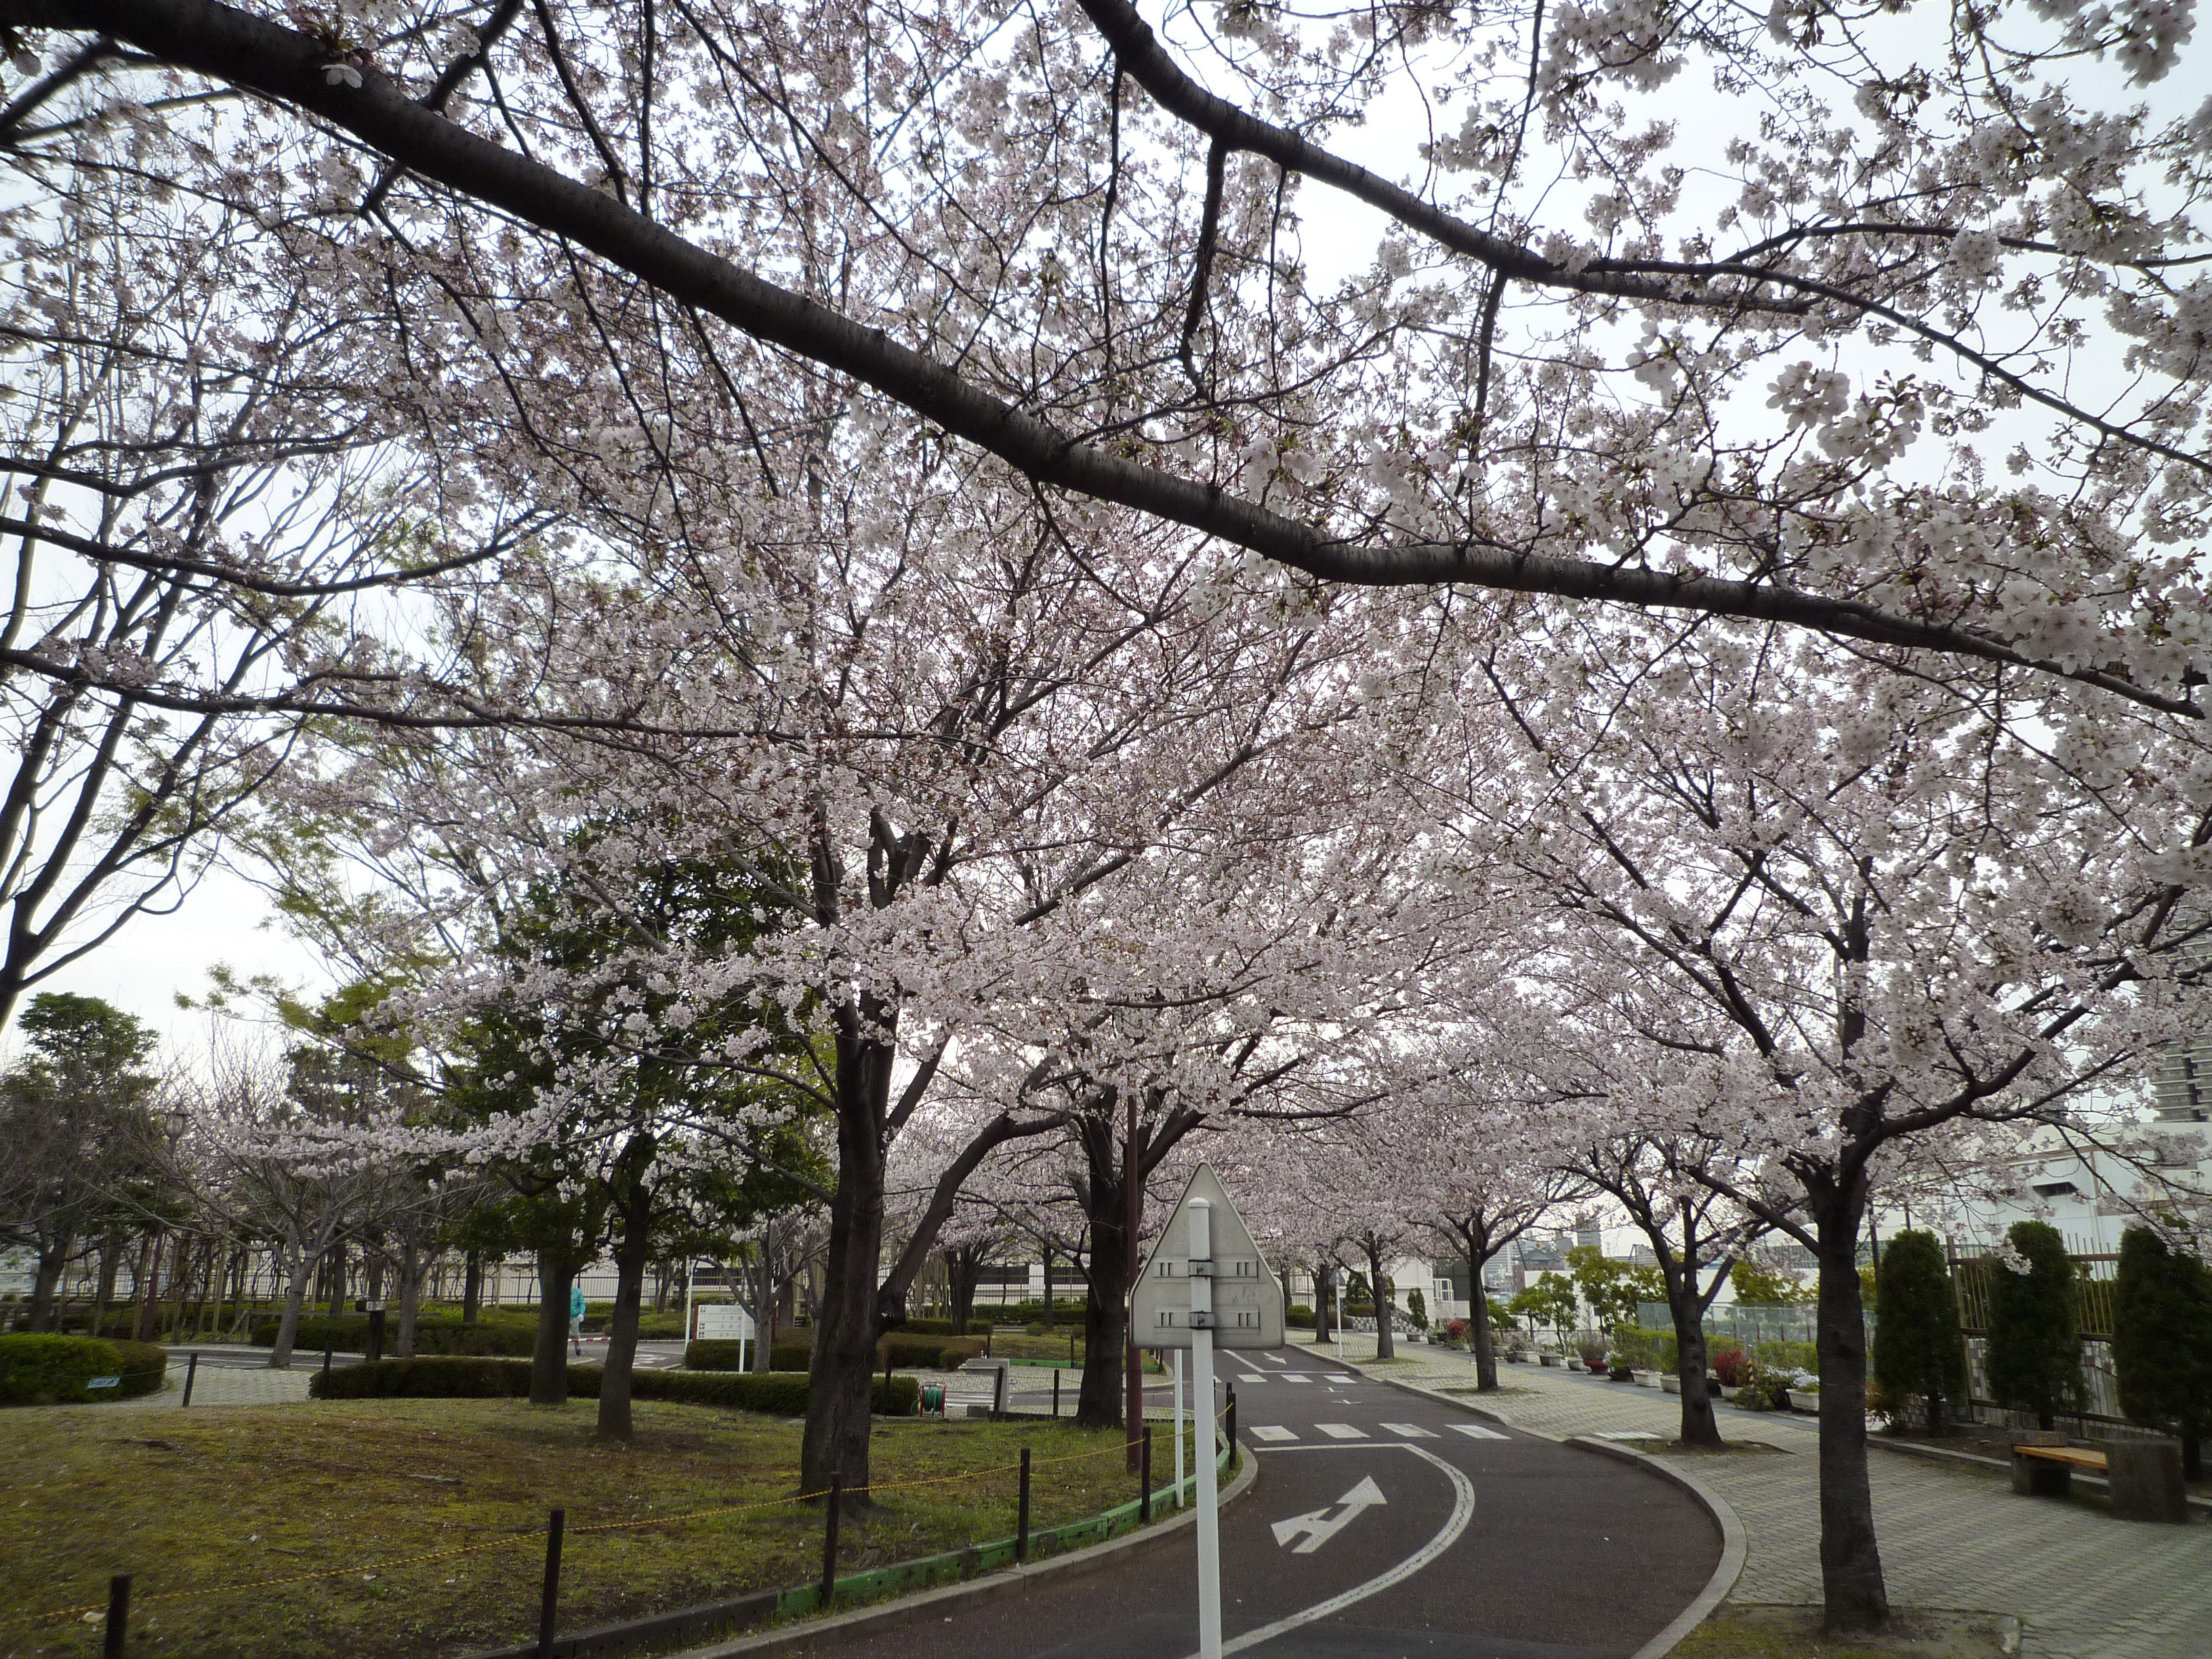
576,1318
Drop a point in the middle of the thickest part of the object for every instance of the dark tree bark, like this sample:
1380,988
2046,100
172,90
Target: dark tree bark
472,1288
633,1209
1856,1595
46,1277
549,1359
1378,1287
410,1296
963,1271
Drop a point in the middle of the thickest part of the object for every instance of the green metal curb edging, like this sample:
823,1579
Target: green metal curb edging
953,1565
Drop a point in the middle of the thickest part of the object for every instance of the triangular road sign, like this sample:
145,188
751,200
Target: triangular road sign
1247,1301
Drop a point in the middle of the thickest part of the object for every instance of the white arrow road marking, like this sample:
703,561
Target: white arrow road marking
1268,1431
1476,1431
1409,1431
1447,1535
1341,1432
1323,1524
1274,1359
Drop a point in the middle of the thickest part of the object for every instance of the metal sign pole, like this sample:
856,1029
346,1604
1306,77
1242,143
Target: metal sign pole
1201,1354
1178,1427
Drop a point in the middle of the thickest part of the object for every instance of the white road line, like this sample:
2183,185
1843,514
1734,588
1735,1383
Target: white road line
1410,1431
1339,1379
1341,1432
1274,1359
1269,1432
1476,1431
1447,1535
1296,1377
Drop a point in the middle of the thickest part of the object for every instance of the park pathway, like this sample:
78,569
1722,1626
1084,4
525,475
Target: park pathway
2083,1585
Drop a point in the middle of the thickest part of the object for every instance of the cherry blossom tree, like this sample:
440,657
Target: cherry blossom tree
1758,366
1846,914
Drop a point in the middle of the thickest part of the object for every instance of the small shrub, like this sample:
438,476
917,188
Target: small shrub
1300,1317
1788,1356
781,1393
1455,1333
944,1353
1729,1366
512,1334
1592,1348
2034,1357
51,1371
716,1356
790,1355
1644,1350
1416,1310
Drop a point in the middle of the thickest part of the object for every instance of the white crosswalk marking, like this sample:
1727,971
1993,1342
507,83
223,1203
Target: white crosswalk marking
1296,1377
1409,1430
1341,1432
1339,1379
1269,1432
1476,1431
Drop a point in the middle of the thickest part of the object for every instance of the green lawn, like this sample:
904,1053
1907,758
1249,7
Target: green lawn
209,1507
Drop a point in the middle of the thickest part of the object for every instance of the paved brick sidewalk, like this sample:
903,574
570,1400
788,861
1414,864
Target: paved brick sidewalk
2084,1585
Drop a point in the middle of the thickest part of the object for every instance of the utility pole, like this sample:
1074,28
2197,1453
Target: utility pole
1132,1192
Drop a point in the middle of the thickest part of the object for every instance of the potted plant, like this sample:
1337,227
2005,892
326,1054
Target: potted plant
1592,1350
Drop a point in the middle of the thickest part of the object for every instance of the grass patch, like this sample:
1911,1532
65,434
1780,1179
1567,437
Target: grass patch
1766,1631
224,1499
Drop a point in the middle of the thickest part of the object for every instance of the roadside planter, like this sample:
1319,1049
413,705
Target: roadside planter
1670,1384
1805,1400
1647,1379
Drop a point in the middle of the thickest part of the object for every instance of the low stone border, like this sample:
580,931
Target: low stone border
1116,1529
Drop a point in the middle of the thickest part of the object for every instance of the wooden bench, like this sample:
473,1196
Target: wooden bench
2142,1477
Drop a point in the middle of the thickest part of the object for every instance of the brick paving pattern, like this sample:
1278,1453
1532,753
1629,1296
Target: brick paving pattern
2083,1585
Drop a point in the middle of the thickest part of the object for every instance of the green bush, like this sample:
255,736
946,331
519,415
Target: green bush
781,1393
1787,1356
925,1328
1065,1310
2034,1357
717,1356
941,1353
1918,1351
787,1356
512,1334
1644,1350
1300,1317
50,1370
2162,1340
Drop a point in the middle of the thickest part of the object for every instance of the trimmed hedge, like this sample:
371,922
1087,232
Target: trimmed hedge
515,1335
782,1394
51,1371
898,1349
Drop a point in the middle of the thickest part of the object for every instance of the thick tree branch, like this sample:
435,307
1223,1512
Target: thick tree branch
296,70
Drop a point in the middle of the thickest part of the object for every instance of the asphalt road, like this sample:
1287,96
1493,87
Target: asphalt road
1384,1525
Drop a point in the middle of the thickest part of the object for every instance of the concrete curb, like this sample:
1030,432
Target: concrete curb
992,1584
1735,1544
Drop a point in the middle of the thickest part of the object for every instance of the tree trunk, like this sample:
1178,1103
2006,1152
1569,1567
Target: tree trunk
472,1288
335,1264
1480,1338
841,1375
1326,1312
1853,1591
631,1254
295,1298
1384,1346
1047,1287
111,1264
549,1359
1098,1399
46,1278
150,1292
410,1297
1700,1427
764,1299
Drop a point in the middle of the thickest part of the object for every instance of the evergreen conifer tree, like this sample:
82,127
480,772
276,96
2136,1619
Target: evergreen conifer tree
2162,1340
2035,1344
1917,1350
